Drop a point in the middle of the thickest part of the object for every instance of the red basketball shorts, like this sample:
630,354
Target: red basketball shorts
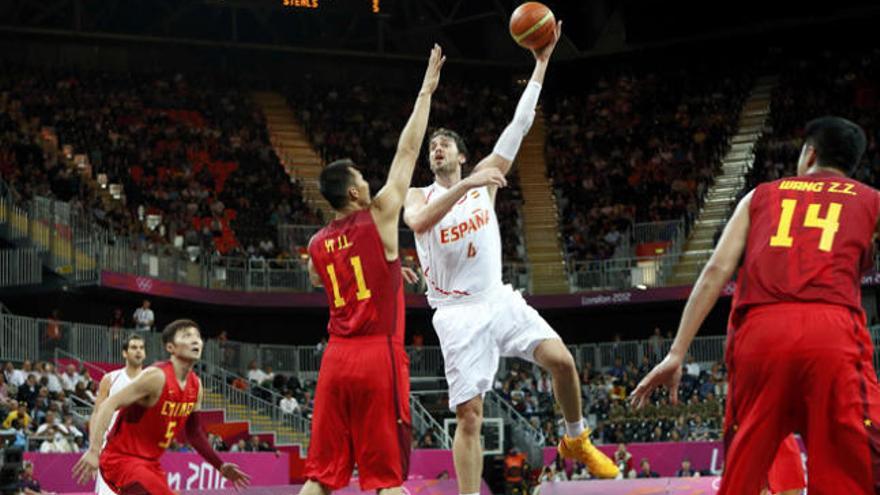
129,475
787,471
361,415
804,368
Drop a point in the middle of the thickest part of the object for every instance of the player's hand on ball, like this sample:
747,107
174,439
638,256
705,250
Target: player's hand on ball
543,54
409,275
489,176
667,373
86,467
233,473
432,73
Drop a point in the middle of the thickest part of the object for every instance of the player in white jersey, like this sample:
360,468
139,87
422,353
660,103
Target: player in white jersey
134,353
477,318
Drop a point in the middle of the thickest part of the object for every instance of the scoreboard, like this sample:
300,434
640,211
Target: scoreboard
373,6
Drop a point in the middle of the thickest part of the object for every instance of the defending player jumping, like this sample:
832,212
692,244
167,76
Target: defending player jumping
361,410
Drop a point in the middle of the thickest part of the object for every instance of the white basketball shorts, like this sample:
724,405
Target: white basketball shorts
475,334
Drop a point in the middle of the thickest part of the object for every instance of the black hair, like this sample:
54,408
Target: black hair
170,331
334,182
839,143
133,336
459,142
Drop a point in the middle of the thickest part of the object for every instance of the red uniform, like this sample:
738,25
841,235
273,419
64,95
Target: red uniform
798,351
787,471
361,409
130,461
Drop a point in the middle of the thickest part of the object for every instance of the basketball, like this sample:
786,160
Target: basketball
532,25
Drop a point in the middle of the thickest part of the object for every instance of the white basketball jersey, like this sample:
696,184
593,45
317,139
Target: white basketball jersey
118,380
461,254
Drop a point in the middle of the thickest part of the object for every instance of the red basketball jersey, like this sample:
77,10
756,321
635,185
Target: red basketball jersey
364,291
810,240
146,432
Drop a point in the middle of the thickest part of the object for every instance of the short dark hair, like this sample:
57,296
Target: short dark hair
334,182
459,142
133,336
170,330
839,143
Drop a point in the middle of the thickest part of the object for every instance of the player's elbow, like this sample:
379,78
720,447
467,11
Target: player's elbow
717,272
523,121
416,224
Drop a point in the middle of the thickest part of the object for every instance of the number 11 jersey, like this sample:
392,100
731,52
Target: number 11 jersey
810,240
364,291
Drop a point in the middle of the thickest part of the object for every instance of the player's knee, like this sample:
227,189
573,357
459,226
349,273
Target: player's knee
561,362
470,417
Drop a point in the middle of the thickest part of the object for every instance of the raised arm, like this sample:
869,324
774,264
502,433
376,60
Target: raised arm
704,295
509,141
388,202
145,389
103,390
421,216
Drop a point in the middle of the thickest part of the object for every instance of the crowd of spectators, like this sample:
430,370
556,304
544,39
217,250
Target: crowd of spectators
363,121
698,416
637,146
845,84
193,156
293,396
38,405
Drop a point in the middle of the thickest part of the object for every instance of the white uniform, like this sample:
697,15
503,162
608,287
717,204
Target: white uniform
118,380
478,318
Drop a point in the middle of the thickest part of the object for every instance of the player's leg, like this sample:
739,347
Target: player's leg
314,488
467,453
331,460
471,357
521,332
842,437
381,425
786,475
763,373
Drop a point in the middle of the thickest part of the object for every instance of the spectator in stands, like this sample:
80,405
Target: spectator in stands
53,379
255,374
686,471
288,404
617,371
27,393
691,372
53,336
83,395
253,444
117,326
240,446
308,404
57,442
217,443
70,378
21,435
20,414
623,459
14,377
5,400
49,421
27,484
645,471
144,319
655,346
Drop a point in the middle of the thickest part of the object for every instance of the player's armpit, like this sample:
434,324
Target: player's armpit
730,247
313,275
103,390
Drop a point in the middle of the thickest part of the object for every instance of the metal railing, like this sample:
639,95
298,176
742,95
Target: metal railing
423,422
523,435
622,273
663,231
20,266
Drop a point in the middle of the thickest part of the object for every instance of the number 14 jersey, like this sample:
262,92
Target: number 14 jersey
810,240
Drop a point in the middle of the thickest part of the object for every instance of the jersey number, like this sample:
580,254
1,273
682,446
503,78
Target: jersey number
169,435
472,251
362,293
829,225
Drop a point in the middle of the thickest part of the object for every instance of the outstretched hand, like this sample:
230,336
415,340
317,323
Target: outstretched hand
489,176
409,275
543,54
86,468
432,73
667,373
233,473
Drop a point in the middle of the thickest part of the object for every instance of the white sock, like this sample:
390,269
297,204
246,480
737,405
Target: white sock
574,430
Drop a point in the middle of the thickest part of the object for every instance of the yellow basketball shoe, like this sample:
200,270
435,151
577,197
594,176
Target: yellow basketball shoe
581,449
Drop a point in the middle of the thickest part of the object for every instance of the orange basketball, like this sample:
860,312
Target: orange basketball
532,25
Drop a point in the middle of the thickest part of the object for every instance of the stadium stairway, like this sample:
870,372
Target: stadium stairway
540,216
300,160
723,193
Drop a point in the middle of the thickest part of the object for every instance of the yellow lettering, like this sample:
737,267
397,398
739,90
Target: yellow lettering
343,242
329,245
